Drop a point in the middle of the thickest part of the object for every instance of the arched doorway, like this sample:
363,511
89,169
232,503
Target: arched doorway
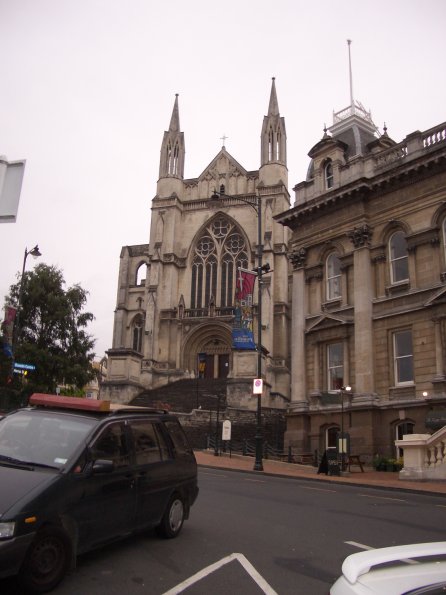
208,351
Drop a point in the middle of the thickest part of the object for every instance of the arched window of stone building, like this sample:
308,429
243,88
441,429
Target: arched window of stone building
328,171
274,143
141,274
137,331
444,239
333,277
219,251
172,159
398,257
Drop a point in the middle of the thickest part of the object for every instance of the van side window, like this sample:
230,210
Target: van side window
150,446
111,445
178,437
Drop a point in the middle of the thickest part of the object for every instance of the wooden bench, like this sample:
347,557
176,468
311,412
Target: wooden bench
355,460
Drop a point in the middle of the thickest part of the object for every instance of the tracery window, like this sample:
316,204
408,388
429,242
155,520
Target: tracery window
399,262
219,251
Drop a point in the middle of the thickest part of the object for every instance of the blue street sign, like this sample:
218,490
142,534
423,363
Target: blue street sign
24,366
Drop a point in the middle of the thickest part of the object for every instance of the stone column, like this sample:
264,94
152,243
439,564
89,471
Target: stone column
298,371
362,270
440,373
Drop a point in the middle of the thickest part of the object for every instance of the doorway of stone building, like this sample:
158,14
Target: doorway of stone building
213,365
223,365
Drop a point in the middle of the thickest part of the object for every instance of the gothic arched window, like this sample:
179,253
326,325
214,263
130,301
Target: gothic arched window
137,329
141,274
219,251
173,155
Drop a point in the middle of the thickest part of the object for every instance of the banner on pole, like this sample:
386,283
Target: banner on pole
242,333
8,329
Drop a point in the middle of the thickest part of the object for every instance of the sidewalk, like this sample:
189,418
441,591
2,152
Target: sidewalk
370,478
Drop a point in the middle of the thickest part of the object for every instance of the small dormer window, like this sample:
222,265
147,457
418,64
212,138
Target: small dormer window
329,174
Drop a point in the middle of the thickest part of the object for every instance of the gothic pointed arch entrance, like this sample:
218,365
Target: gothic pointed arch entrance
208,351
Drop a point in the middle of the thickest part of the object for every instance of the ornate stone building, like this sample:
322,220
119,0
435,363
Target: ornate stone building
368,252
356,295
175,305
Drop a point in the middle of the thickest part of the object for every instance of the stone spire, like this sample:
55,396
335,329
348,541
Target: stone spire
273,109
172,148
273,138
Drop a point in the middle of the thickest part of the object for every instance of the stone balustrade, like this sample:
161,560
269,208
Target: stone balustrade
424,456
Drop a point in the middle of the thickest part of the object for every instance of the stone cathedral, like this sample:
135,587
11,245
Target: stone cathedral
175,304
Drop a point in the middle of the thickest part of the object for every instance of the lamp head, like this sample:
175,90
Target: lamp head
35,252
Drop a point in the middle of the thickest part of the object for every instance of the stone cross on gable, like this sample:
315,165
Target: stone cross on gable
223,138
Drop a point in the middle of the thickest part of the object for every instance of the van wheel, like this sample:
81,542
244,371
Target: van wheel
46,561
173,518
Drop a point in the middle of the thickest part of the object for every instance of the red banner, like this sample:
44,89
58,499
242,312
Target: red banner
244,286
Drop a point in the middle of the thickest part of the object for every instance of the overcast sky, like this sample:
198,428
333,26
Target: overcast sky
87,89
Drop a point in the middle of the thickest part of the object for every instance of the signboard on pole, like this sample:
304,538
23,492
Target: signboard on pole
18,366
226,431
257,386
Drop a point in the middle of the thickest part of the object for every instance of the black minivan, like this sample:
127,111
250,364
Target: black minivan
77,473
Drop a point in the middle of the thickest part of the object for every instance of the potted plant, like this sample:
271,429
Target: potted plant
379,463
391,465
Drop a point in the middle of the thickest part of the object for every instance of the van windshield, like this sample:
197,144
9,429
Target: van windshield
47,438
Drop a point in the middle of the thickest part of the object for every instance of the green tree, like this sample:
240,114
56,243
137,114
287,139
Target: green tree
51,330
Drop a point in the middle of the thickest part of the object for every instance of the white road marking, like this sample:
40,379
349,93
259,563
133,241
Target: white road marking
212,474
382,497
257,578
361,546
318,489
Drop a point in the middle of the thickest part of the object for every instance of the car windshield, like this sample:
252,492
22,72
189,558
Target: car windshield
46,438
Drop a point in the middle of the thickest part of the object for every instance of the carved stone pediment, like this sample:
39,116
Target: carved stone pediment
222,166
328,321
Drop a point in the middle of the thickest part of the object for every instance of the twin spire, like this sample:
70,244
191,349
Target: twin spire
273,140
172,148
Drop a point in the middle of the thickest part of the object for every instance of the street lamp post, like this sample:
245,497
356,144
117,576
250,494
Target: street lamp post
216,451
35,253
343,442
257,206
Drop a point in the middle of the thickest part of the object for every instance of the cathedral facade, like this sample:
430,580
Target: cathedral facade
175,311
